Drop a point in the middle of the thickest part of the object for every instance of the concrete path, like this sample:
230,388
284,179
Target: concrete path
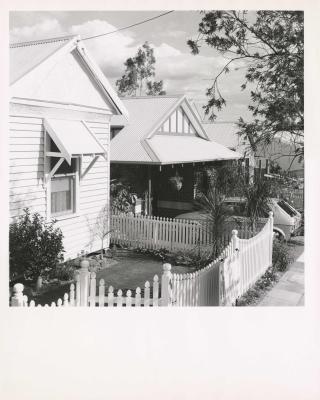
289,291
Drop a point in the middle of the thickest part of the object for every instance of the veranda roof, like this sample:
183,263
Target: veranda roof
184,149
73,138
139,143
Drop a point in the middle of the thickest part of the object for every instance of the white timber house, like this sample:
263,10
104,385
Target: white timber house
59,135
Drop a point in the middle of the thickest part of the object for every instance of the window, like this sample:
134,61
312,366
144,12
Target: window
63,185
287,208
62,195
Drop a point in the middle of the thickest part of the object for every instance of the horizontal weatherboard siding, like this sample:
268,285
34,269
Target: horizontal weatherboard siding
27,188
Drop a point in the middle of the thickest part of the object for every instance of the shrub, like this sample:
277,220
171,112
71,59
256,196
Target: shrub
280,256
64,272
35,246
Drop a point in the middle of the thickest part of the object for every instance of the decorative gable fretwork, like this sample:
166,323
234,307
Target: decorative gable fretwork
178,123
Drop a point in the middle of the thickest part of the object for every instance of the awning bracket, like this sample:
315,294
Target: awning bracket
92,162
55,168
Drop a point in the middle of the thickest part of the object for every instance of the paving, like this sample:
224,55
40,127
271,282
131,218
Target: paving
289,291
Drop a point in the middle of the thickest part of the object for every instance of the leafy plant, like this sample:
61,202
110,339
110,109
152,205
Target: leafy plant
270,46
257,195
35,246
139,74
64,272
211,205
281,257
122,197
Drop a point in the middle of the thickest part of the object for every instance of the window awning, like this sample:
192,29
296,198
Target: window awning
73,138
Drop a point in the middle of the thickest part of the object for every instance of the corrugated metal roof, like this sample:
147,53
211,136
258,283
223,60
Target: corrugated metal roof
144,113
24,57
174,149
226,134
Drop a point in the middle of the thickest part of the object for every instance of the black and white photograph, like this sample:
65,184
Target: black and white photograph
159,200
157,159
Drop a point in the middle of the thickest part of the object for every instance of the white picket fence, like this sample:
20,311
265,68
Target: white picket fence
244,262
227,278
222,282
165,233
84,292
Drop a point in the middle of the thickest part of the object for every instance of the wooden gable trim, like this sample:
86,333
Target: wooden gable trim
101,80
186,108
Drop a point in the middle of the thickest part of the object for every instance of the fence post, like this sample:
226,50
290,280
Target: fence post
84,282
221,289
166,286
271,237
17,298
235,240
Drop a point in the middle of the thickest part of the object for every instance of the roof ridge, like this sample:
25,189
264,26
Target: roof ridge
152,97
42,41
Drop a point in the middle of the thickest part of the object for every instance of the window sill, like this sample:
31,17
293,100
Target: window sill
63,217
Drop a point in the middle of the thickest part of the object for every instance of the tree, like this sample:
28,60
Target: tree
271,44
139,74
101,228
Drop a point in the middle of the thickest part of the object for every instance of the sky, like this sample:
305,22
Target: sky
181,72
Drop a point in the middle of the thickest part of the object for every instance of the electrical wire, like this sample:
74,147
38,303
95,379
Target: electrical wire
129,26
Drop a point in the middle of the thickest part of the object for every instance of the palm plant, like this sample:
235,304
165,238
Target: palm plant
211,205
257,196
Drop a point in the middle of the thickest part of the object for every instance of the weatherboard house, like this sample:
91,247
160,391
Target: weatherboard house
60,110
162,150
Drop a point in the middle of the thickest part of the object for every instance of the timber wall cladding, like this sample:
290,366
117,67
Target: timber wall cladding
27,189
26,165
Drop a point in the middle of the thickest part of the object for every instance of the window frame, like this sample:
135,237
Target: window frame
48,180
72,194
75,194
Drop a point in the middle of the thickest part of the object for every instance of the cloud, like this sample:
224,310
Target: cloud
109,51
181,71
174,34
42,30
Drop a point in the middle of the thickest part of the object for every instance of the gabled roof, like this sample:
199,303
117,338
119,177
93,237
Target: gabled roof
140,142
25,57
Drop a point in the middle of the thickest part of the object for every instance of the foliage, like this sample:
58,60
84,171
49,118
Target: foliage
193,258
257,195
101,227
270,44
64,272
161,254
280,256
122,197
211,205
139,74
35,246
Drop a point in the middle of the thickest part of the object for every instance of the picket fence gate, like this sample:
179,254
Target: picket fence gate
222,282
165,233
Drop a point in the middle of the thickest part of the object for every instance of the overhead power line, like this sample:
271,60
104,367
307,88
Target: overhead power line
129,26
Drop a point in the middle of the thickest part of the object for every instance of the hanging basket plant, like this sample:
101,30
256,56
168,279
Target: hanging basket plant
176,182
